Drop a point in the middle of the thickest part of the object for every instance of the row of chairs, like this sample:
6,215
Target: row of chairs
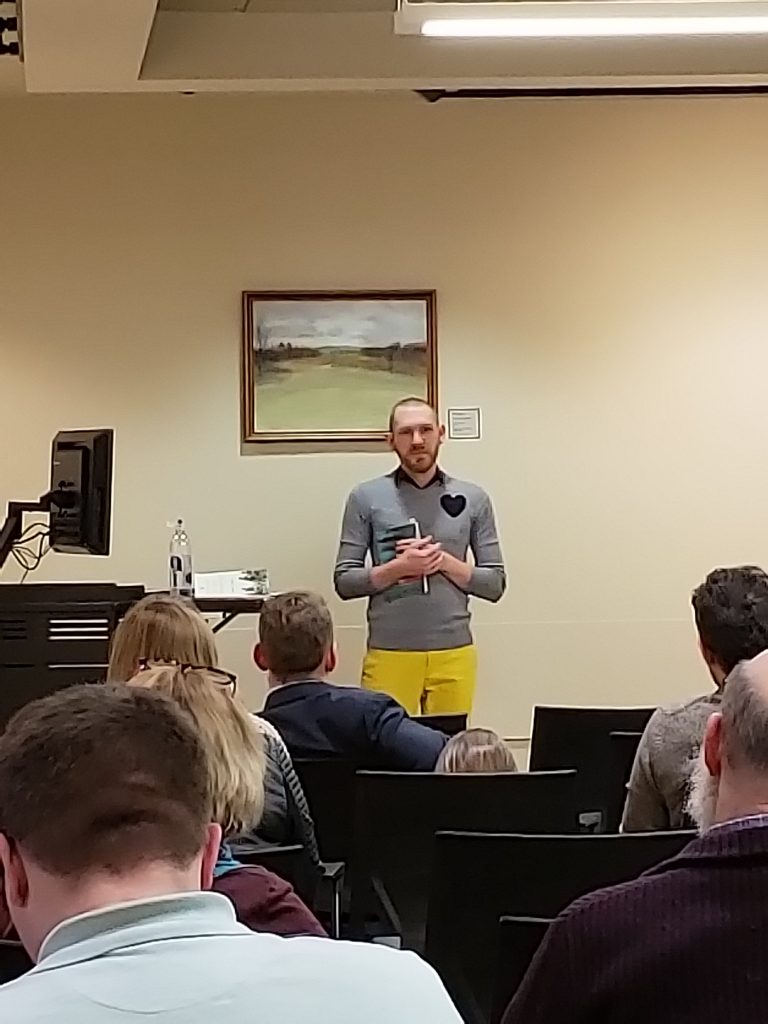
598,743
383,826
397,816
446,895
478,879
388,829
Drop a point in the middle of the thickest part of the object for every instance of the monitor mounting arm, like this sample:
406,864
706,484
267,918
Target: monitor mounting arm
12,528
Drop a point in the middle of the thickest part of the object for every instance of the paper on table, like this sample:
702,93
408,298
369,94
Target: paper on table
232,583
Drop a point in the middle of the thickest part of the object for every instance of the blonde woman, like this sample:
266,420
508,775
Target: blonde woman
163,629
235,759
232,743
476,750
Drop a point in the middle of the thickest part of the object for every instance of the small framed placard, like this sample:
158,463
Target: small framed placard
464,424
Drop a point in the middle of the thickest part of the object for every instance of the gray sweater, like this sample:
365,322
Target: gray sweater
457,514
658,785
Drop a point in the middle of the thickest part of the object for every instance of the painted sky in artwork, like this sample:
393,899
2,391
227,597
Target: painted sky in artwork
345,324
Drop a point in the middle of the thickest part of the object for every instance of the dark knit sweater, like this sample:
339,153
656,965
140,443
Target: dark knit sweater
686,942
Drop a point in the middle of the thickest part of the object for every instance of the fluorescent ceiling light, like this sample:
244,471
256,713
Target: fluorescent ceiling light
577,19
592,27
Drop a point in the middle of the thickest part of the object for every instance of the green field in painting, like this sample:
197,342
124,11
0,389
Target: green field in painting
313,394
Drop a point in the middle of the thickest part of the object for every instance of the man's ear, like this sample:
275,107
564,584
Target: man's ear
331,658
390,441
259,659
210,855
15,879
441,433
713,745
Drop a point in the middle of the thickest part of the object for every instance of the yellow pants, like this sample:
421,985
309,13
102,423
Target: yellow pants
424,682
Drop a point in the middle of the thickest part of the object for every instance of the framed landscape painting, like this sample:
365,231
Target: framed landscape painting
328,366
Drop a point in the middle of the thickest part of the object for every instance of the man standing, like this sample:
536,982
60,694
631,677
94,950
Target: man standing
418,523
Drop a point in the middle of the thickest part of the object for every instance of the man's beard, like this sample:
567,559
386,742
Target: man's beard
420,462
701,802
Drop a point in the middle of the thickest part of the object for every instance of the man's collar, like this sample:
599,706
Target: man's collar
401,477
100,932
294,690
757,820
729,841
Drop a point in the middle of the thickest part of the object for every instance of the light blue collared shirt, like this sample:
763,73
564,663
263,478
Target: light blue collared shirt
184,959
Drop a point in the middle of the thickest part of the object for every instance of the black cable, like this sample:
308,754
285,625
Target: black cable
27,557
29,529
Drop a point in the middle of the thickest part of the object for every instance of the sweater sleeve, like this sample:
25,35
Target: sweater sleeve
488,579
351,576
645,809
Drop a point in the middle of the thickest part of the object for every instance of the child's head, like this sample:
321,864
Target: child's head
476,750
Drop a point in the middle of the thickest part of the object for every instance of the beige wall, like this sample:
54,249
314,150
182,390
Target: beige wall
601,269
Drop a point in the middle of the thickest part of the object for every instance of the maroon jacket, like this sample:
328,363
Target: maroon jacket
685,942
265,903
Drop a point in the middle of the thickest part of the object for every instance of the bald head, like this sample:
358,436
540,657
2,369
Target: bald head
744,726
730,777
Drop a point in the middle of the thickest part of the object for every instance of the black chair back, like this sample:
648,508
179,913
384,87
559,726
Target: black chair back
291,863
518,938
579,738
622,747
477,879
329,786
398,814
451,725
13,960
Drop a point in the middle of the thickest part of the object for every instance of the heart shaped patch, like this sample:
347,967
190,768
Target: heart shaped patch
454,504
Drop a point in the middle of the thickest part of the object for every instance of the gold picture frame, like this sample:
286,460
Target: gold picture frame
325,366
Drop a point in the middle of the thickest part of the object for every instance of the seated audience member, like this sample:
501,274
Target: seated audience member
319,719
731,614
165,629
476,750
104,850
235,756
687,940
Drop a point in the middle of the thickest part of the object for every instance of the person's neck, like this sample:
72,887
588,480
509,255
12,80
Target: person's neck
64,900
743,797
315,675
420,479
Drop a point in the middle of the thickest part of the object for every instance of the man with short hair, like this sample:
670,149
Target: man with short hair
687,940
731,613
417,524
319,719
105,842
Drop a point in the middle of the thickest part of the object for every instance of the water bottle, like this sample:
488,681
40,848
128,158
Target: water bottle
180,578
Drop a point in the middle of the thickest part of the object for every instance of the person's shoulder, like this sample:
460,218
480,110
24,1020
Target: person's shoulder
368,971
370,704
473,492
34,996
369,489
682,714
355,694
616,908
267,730
702,703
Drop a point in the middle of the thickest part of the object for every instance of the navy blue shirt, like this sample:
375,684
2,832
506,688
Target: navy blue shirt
319,719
